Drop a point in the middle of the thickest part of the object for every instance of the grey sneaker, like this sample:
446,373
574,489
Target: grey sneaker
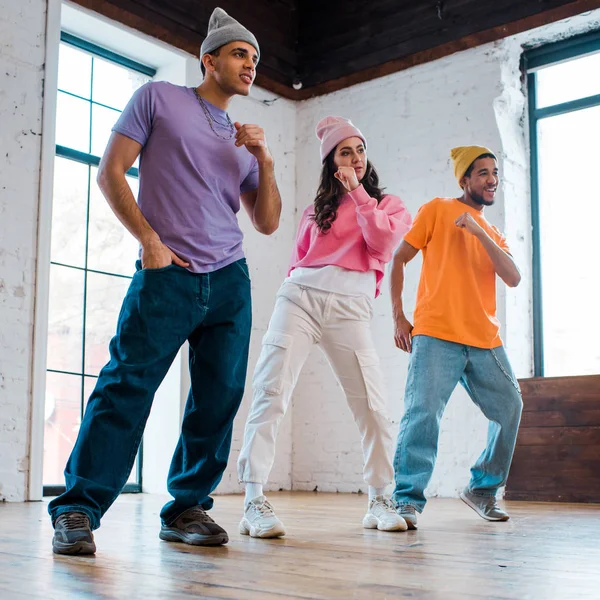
485,506
409,513
73,534
260,520
193,526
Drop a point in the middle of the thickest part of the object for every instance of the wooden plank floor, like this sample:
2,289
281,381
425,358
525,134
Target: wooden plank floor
545,552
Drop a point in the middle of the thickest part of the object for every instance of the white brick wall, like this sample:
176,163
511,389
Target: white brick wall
411,119
22,35
268,259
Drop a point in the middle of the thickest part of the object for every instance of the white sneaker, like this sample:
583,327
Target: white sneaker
382,515
260,521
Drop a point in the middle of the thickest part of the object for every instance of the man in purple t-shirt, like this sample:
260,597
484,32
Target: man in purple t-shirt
192,283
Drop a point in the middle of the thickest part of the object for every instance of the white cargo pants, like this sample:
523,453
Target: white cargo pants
340,324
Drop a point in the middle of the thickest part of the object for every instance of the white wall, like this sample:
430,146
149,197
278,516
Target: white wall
22,38
411,119
268,259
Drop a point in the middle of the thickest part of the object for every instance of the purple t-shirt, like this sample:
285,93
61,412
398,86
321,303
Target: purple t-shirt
190,179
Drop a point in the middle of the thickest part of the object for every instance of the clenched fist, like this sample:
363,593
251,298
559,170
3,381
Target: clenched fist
253,137
468,223
347,175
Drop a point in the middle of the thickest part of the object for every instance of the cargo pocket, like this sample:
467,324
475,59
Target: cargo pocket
373,378
273,362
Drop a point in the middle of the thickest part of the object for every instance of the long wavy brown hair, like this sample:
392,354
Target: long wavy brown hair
331,191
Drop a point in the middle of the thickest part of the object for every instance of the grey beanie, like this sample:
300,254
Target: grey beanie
223,29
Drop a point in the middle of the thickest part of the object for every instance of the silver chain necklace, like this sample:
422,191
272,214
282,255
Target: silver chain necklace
211,119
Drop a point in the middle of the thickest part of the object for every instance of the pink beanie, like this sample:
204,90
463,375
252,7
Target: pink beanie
333,130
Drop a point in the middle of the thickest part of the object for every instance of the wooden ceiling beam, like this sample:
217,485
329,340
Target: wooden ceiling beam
440,51
131,14
278,69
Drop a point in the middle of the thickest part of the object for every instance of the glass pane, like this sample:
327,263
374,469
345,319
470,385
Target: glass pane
103,120
113,84
105,295
89,383
88,386
63,417
111,247
65,319
74,71
73,123
568,81
133,476
69,212
571,287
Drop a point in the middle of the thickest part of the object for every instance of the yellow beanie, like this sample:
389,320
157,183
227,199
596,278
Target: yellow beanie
464,156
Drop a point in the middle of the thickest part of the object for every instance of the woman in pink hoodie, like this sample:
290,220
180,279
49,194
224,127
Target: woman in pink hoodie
344,241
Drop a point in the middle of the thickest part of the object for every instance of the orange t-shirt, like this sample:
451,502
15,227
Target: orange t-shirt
456,299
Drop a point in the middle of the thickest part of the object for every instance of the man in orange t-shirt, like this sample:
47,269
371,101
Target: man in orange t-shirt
456,337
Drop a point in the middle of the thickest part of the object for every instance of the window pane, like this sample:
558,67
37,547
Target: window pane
571,286
69,212
63,417
111,247
133,476
74,71
113,84
568,81
65,319
103,120
105,295
73,123
89,383
88,386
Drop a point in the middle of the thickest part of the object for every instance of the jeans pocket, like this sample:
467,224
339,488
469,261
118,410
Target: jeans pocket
159,270
373,378
273,362
242,265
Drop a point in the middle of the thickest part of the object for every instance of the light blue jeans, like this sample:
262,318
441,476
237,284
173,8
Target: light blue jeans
436,366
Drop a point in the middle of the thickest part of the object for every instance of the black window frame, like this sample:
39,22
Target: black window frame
547,55
93,161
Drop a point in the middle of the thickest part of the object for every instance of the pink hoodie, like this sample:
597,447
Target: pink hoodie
362,238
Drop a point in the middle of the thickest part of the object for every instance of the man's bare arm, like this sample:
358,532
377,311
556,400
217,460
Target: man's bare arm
264,204
504,264
120,154
402,327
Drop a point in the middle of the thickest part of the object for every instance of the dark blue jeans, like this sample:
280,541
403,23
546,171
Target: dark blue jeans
162,309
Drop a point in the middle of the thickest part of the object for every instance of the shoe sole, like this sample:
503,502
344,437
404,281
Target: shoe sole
470,504
78,548
193,539
246,528
375,524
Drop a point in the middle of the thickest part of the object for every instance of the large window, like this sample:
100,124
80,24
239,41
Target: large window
564,111
92,254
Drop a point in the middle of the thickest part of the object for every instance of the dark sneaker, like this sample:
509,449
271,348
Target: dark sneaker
194,527
485,506
73,534
409,513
